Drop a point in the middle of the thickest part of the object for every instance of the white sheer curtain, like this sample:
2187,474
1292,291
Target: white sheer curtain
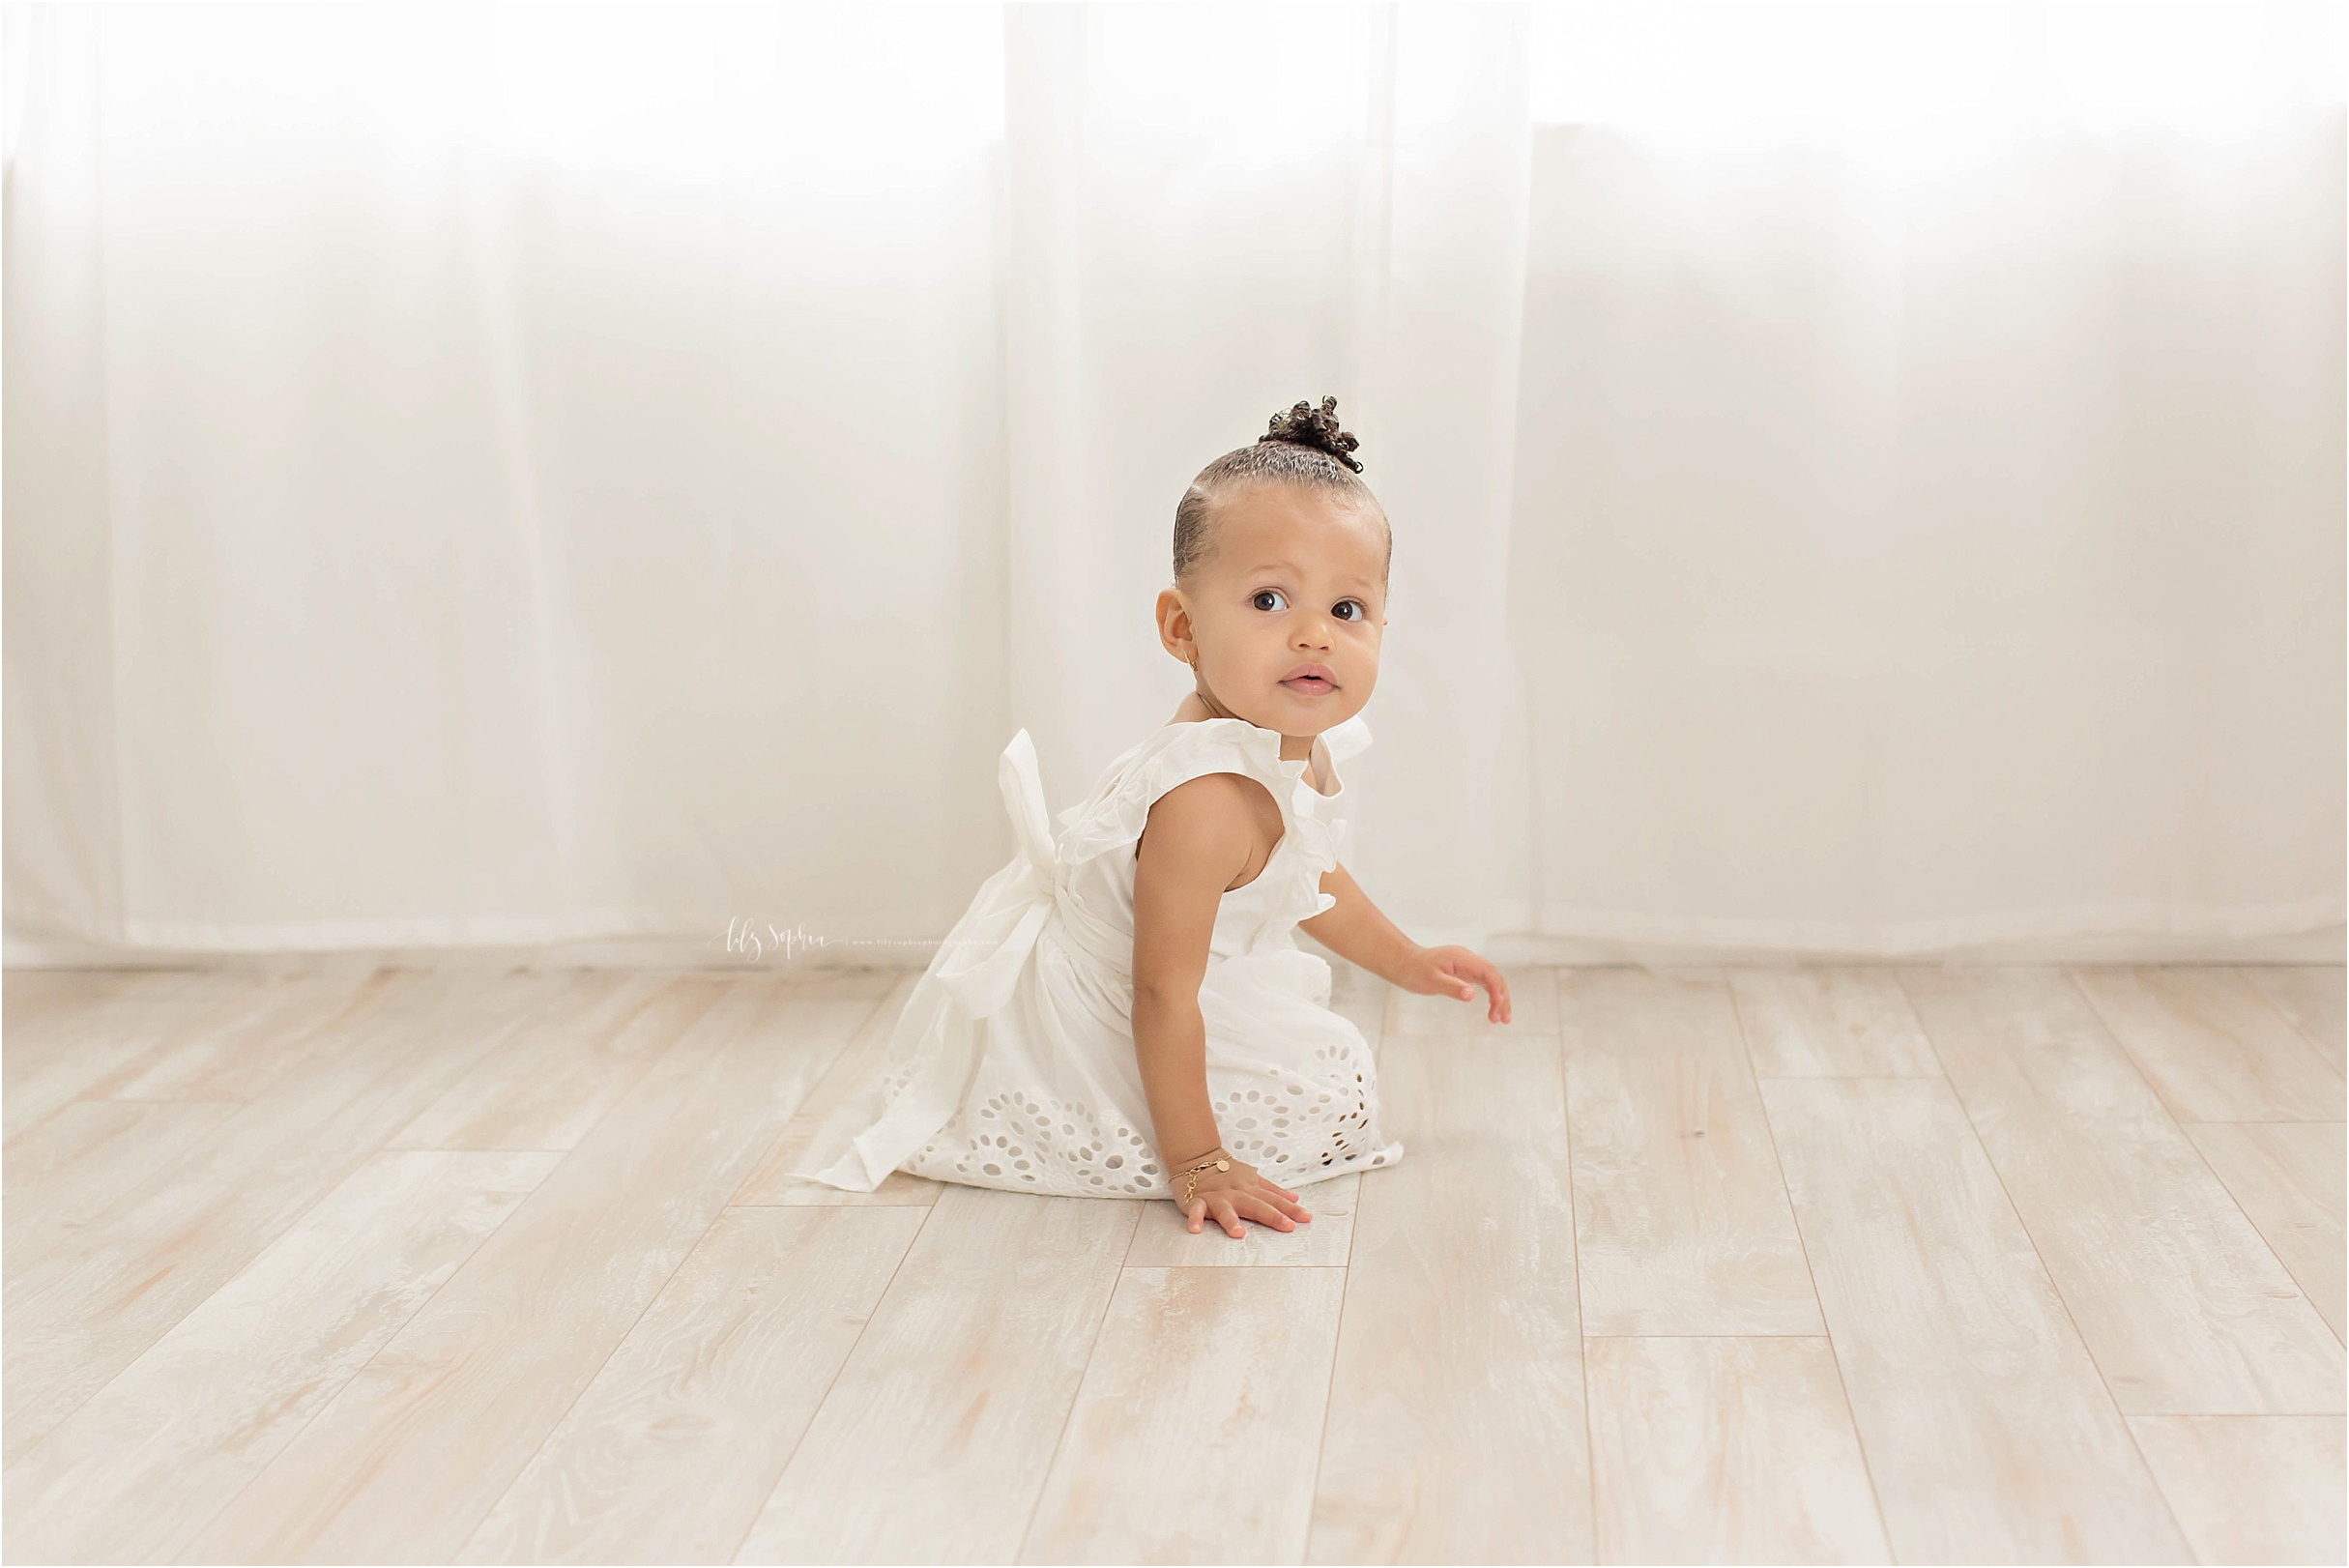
517,475
1929,523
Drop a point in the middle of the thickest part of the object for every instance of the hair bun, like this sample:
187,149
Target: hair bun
1306,425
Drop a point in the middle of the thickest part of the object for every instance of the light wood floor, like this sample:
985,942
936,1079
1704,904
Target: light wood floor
1787,1265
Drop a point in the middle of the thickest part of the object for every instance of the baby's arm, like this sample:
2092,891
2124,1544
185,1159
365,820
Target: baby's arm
1359,932
1199,837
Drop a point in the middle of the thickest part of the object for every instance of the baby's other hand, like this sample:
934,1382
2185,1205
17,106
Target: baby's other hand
1448,971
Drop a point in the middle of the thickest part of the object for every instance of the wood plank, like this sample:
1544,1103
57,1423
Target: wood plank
1163,1241
134,1472
2311,997
1681,1216
847,1095
2183,1306
2214,1047
1228,1368
1533,1011
557,1076
50,1008
1987,1429
29,995
79,1315
2252,1488
1456,1430
260,1029
935,1441
72,1169
1830,1023
2288,1178
25,992
410,1455
58,1059
1726,1450
675,1446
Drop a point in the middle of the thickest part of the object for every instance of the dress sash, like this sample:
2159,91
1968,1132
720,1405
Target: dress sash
983,982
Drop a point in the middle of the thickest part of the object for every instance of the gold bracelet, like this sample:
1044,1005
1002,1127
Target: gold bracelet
1202,1166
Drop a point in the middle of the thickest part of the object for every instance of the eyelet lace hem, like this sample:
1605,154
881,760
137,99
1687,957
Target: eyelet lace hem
1290,1126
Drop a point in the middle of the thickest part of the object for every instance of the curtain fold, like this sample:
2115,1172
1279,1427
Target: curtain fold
1203,232
1940,515
498,475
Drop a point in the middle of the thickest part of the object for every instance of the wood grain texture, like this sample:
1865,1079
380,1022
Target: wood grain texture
1532,1010
1726,1450
59,1058
1988,1432
66,1173
134,1472
452,1409
260,1029
1454,1429
1163,1241
1680,1214
2183,1305
51,1011
29,994
2288,1178
849,1094
673,1449
935,1441
1228,1367
570,1064
93,1303
2214,1047
2252,1488
627,1369
1830,1023
2311,997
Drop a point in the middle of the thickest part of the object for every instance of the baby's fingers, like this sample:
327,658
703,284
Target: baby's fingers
1285,1202
1268,1211
1227,1215
1484,973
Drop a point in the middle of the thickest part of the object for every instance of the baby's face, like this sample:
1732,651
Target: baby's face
1283,616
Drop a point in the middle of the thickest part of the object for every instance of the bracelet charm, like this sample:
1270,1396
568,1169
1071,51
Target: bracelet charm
1215,1159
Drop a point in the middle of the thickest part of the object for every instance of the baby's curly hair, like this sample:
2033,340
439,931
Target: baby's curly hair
1304,445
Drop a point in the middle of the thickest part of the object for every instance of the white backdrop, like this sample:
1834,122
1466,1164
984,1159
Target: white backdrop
1866,479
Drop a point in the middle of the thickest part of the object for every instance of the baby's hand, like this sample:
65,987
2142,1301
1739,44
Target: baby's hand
1239,1194
1446,972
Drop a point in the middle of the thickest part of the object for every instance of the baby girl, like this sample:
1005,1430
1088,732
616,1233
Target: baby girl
1123,1010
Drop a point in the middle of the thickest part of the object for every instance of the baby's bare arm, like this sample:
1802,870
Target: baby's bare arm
1201,836
1357,930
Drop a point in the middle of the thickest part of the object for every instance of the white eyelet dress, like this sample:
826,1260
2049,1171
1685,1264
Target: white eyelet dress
1013,1064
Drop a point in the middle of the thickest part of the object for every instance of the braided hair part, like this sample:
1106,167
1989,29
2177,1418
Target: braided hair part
1303,445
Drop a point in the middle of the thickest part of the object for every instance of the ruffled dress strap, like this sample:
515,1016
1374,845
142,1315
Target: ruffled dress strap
1115,816
1347,740
1343,743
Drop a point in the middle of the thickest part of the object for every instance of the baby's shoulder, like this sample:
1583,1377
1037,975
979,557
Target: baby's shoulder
1245,760
1210,819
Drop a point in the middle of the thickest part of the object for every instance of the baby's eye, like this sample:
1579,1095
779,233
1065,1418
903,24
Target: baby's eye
1262,593
1360,611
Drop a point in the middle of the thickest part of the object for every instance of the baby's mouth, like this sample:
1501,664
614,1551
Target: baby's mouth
1311,685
